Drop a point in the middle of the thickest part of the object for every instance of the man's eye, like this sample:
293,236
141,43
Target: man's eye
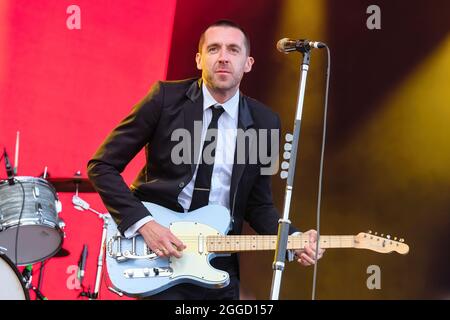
213,49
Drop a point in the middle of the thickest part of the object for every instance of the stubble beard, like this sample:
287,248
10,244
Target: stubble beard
223,86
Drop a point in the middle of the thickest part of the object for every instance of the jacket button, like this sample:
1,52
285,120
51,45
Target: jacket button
181,185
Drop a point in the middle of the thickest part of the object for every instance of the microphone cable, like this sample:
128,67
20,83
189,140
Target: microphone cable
322,155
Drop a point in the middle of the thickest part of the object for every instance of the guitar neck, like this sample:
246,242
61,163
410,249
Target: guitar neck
258,243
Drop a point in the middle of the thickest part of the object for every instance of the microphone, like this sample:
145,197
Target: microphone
9,169
27,275
287,45
82,263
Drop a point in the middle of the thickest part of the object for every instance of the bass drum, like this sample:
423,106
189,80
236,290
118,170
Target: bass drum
30,229
11,284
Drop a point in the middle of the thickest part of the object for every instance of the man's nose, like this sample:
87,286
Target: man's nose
223,56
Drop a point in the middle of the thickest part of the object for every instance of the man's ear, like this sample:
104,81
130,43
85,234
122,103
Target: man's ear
198,59
248,64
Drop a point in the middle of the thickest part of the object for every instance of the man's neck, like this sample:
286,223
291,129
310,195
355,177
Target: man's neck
221,96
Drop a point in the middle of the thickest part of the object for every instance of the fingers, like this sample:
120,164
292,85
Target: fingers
172,246
312,235
305,260
177,242
166,248
161,240
158,252
170,250
307,256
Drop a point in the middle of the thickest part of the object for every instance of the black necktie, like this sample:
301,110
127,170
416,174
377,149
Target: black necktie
202,184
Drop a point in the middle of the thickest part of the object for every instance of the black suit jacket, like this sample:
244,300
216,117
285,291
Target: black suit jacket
167,107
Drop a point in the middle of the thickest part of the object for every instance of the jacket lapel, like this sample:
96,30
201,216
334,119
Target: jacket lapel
244,123
193,112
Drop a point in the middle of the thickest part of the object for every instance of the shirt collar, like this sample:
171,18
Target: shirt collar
231,105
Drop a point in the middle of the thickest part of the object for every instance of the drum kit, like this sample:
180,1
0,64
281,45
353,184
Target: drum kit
31,230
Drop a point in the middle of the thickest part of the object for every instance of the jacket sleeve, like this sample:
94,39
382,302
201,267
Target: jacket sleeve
119,148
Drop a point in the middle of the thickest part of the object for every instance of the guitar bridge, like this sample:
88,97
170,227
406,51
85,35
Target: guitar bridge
116,244
147,273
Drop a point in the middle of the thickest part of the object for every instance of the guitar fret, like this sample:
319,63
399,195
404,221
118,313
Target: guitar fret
235,243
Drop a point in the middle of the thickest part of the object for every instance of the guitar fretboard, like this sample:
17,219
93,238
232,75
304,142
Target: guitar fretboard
258,243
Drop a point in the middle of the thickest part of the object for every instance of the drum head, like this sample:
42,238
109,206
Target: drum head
35,243
11,288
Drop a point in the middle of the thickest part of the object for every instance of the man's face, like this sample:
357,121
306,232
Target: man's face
223,58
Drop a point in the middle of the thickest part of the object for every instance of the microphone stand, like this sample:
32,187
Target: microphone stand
81,205
284,222
27,275
98,278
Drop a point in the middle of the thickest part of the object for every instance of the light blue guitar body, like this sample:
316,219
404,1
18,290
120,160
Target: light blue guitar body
138,272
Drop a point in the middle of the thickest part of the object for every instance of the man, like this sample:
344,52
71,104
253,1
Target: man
216,102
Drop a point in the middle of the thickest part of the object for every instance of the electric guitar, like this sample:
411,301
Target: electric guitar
138,272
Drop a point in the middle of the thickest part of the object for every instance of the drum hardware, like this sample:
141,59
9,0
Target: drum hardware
82,205
9,169
119,293
39,294
16,154
27,275
69,184
41,273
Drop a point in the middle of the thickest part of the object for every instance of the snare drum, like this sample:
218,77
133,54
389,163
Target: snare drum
29,215
12,286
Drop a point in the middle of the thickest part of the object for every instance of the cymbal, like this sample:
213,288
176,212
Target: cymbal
68,184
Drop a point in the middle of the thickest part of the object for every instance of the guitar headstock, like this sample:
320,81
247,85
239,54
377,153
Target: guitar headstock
381,243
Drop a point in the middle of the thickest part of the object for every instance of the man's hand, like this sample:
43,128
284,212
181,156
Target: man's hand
306,256
161,240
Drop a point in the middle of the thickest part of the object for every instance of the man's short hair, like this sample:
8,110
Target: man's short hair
225,23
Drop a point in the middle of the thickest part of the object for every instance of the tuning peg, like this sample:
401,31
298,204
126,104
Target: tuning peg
402,240
388,236
395,238
283,174
376,233
285,165
286,155
370,231
289,137
382,235
287,147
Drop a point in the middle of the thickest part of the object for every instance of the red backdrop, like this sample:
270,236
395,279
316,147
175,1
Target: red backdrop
64,90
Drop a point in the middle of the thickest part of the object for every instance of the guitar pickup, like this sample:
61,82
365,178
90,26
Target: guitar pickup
147,273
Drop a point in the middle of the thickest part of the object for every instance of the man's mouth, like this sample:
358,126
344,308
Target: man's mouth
222,71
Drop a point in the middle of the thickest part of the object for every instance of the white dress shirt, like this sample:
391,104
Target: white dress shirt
223,161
